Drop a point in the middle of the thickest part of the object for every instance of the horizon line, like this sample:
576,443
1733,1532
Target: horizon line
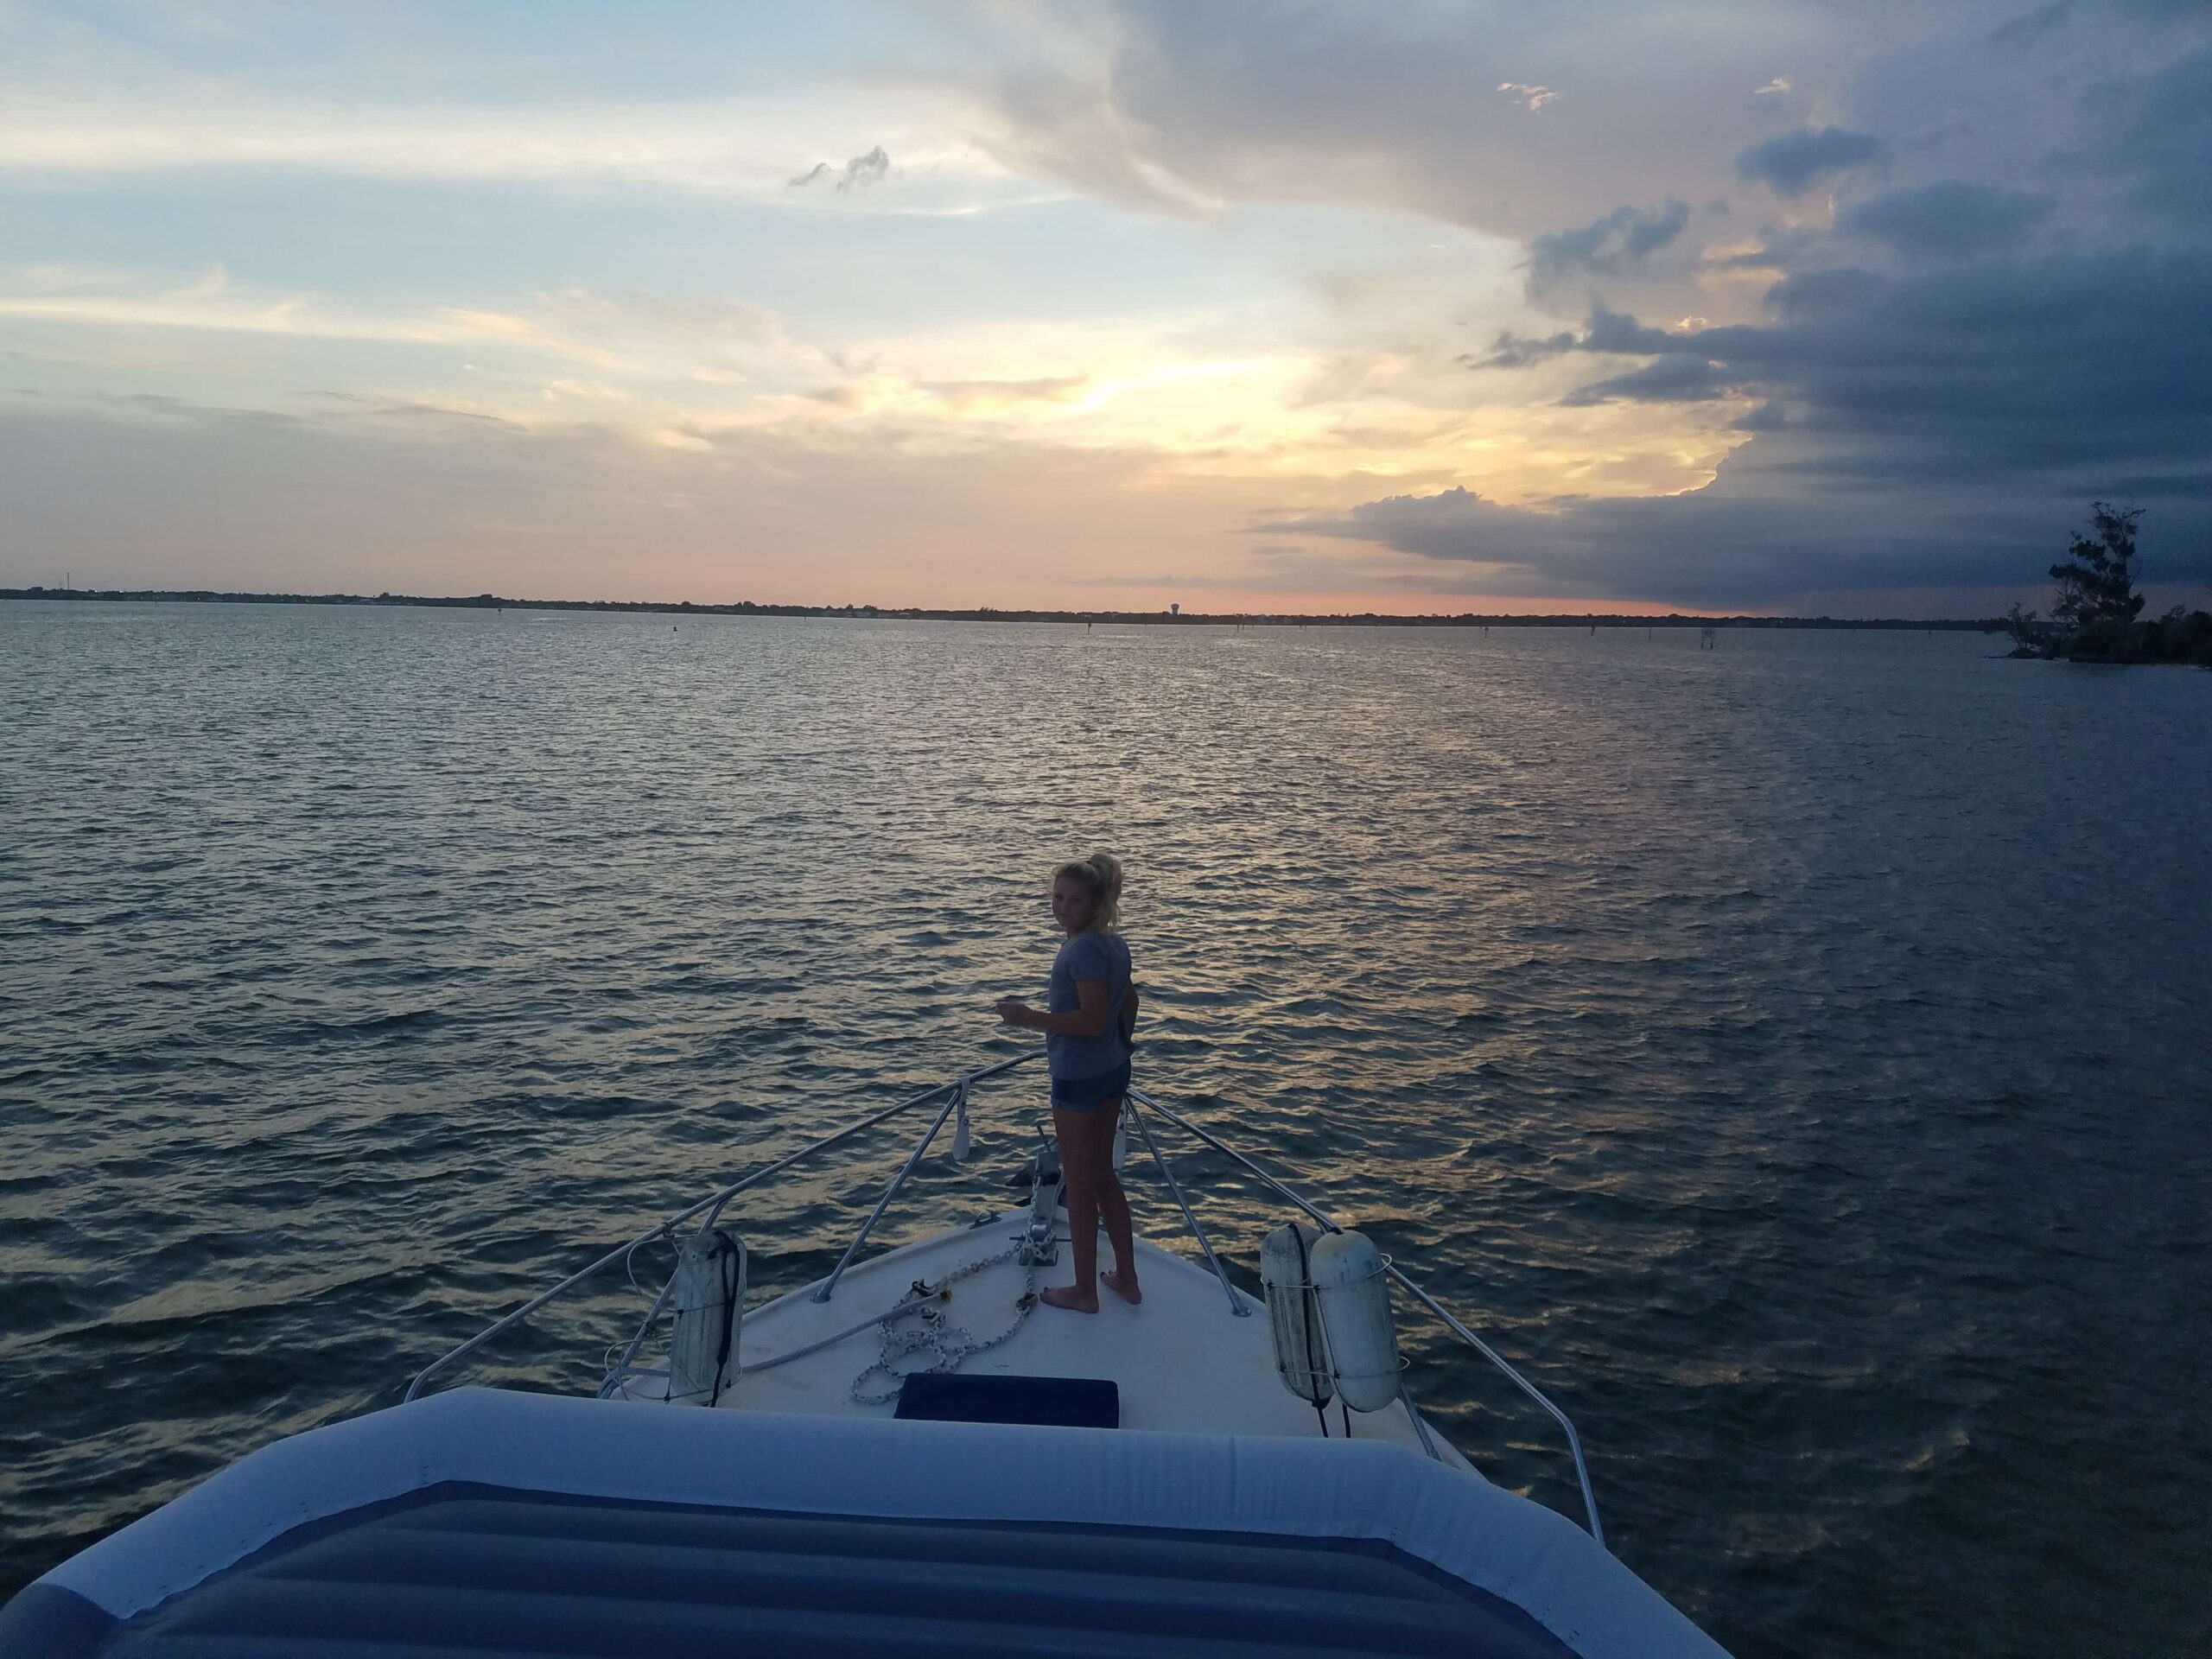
1174,616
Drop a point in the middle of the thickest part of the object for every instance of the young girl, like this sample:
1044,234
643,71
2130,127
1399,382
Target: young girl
1090,1010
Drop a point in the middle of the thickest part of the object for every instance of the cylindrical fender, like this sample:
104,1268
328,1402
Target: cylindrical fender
709,1298
1354,1298
1293,1318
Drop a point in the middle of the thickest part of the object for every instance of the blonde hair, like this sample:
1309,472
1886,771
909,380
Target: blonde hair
1102,874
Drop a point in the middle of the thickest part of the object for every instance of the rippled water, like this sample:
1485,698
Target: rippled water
1793,1054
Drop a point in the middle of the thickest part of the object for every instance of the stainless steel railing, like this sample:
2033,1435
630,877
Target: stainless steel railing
713,1205
956,1095
1573,1440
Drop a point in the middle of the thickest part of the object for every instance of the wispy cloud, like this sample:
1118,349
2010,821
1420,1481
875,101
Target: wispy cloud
1202,392
637,334
873,168
745,148
1530,98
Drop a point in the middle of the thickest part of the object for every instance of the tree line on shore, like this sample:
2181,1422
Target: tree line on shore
2097,615
987,614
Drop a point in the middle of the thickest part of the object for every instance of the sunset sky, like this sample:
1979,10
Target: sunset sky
1741,304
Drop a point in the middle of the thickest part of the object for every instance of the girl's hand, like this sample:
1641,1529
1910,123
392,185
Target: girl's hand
1013,1010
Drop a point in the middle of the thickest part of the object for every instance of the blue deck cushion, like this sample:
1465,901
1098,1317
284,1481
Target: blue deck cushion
486,1522
1051,1401
480,1573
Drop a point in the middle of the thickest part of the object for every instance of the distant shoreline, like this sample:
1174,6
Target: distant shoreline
921,613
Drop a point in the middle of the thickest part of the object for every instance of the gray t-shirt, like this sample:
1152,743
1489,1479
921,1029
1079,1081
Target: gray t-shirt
1105,957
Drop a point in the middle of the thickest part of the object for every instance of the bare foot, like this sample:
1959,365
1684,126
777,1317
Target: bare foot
1122,1285
1070,1298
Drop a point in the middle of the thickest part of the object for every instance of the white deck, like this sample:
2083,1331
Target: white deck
1182,1362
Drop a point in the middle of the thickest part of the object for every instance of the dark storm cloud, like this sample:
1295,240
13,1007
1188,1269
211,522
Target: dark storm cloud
1606,332
2079,353
1938,428
1712,546
1776,247
1511,351
1183,106
2007,316
1615,331
1795,161
1997,367
1947,219
2030,26
2153,133
1607,246
1737,542
1828,289
1683,377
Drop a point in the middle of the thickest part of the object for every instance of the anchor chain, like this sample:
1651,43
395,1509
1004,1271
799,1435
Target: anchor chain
925,1329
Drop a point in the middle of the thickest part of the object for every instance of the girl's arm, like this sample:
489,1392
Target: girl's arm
1090,1019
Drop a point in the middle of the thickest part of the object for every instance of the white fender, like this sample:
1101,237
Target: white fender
1354,1298
1293,1318
709,1299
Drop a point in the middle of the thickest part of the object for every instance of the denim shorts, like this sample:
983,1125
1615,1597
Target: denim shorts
1088,1094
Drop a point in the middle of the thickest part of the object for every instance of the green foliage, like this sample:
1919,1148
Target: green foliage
2096,582
2180,636
2094,616
2031,635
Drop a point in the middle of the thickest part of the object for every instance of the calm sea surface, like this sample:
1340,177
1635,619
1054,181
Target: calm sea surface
1795,1055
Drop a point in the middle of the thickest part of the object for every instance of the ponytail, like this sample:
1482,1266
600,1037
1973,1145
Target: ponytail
1102,874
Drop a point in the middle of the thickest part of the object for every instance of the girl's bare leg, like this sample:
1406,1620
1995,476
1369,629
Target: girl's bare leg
1113,1208
1078,1159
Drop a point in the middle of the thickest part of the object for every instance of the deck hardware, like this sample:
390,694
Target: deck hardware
713,1204
1398,1275
952,1095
